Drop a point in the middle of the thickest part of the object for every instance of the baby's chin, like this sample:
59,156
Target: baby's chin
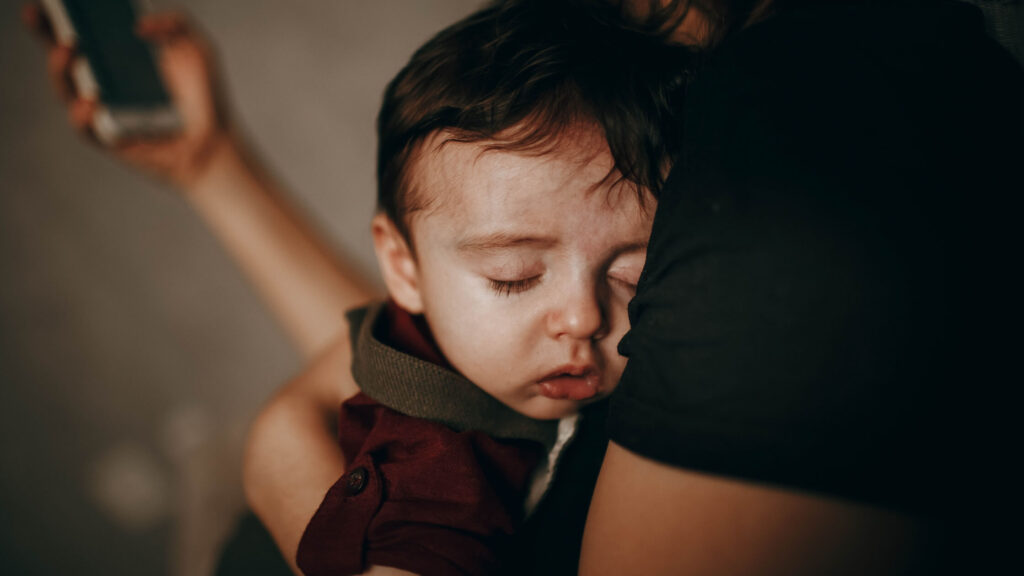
544,408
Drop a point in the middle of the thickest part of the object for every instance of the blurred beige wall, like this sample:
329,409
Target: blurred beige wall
132,353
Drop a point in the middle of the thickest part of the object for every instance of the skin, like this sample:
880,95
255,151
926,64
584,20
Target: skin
523,266
678,521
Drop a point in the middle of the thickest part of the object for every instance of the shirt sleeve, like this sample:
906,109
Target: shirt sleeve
417,496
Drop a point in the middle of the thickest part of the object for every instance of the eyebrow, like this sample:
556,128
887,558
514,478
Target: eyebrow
503,240
631,247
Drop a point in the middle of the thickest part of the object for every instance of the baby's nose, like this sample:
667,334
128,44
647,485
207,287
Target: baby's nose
581,316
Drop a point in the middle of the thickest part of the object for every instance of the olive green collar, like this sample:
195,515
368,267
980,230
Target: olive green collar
425,390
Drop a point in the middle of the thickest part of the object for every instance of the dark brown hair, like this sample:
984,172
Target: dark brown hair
661,17
523,73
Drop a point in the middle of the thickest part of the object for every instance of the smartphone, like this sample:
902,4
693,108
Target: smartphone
116,68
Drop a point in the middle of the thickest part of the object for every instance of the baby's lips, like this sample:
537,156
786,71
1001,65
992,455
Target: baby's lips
571,387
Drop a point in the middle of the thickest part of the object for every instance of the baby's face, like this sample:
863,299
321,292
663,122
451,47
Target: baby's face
524,267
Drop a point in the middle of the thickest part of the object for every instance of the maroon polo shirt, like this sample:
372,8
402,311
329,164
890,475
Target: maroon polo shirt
417,494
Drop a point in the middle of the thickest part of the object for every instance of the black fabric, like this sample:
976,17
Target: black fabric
830,300
550,540
250,551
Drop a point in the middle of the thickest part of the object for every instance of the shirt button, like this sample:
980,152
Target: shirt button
356,480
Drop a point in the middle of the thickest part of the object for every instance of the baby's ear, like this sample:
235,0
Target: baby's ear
397,264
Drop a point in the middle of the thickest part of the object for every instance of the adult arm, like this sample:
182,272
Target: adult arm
306,286
303,283
292,457
651,518
290,460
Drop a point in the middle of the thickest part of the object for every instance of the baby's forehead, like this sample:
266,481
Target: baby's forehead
463,187
447,165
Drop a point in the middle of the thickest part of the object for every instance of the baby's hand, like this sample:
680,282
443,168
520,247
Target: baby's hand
189,71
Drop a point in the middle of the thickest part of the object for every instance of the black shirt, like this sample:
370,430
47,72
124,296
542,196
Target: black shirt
830,300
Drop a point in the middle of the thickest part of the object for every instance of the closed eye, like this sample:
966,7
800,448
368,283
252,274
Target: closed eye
623,283
509,287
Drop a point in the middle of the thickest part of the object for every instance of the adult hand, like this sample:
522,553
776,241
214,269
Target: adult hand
189,72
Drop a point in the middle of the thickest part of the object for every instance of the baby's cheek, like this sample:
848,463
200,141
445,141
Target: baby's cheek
615,363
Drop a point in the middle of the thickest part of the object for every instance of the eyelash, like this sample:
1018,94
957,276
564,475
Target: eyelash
623,283
510,287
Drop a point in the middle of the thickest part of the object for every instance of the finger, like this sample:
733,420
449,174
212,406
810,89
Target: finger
134,152
145,146
58,63
80,114
163,26
137,155
159,155
36,21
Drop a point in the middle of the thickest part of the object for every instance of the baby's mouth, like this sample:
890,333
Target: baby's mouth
571,383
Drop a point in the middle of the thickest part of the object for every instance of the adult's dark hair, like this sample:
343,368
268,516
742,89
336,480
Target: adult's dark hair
660,18
521,74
